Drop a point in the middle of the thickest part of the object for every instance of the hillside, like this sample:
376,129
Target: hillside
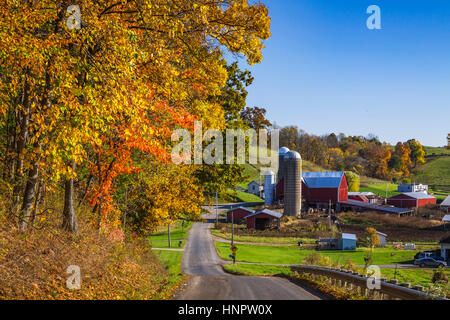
436,171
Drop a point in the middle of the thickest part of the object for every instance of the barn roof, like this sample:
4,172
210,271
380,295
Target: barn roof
323,179
349,236
266,211
446,202
243,208
416,195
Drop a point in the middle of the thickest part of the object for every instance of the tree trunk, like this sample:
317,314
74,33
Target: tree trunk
69,222
28,196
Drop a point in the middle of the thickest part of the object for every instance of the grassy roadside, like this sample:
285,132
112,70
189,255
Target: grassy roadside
294,255
171,260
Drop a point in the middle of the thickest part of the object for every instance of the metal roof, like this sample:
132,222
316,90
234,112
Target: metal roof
266,211
350,236
375,207
361,194
243,208
446,202
323,179
417,195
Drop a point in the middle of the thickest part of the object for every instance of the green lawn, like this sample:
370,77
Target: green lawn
159,239
414,276
294,255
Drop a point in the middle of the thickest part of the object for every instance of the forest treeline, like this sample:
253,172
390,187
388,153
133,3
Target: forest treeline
366,156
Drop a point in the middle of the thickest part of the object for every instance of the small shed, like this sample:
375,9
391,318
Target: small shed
238,214
263,219
382,238
346,242
445,205
445,248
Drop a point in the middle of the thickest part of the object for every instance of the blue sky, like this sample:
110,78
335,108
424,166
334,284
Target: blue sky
325,71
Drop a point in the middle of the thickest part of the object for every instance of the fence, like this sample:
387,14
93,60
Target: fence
355,281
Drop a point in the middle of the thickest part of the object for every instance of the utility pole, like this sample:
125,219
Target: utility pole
217,209
168,229
232,228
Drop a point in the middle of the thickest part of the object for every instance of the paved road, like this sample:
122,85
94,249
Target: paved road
209,282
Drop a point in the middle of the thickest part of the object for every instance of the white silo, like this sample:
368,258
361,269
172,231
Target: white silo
269,187
293,184
281,154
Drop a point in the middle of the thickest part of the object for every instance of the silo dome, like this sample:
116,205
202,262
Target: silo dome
293,155
283,150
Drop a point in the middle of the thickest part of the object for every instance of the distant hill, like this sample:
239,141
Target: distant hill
436,170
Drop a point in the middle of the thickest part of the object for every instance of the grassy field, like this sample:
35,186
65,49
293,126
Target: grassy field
294,255
435,171
435,151
380,188
159,239
280,240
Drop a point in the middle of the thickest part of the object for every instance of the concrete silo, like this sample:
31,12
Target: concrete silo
281,154
292,184
269,187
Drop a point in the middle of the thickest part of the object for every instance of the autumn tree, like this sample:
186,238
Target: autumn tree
373,238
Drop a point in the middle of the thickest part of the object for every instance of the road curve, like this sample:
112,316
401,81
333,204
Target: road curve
208,281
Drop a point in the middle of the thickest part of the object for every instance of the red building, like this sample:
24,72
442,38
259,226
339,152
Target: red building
263,219
411,200
319,188
238,213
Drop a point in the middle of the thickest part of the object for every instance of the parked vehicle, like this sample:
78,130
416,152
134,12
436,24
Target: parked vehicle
430,262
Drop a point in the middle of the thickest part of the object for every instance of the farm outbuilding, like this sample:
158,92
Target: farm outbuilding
263,219
346,242
382,238
321,188
445,248
238,214
445,205
411,200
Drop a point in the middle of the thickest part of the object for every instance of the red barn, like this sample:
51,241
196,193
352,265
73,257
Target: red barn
238,213
322,187
411,200
262,219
